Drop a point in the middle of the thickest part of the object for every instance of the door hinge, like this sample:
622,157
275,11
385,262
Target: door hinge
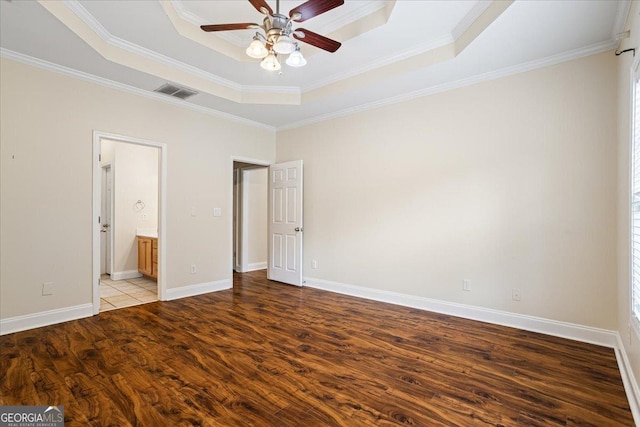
99,157
98,219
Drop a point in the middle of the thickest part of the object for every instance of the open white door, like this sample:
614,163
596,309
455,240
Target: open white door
285,223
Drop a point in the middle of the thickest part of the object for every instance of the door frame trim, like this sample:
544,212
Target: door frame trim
257,162
110,231
98,136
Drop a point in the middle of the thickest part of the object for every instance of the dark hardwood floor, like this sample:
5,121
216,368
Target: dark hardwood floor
268,354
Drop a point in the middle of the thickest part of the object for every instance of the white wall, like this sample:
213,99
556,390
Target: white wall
46,220
630,336
255,183
135,177
251,198
509,183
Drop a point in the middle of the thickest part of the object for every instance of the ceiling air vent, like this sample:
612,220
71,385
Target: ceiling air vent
176,91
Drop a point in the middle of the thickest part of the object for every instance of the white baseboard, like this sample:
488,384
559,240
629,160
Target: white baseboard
556,328
251,267
572,331
257,266
628,379
123,275
198,289
44,318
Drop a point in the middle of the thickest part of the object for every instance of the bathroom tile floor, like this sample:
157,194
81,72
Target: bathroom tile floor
126,293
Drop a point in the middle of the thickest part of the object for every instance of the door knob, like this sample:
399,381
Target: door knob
298,228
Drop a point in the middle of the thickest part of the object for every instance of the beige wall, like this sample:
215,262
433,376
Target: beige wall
625,62
46,183
135,177
509,183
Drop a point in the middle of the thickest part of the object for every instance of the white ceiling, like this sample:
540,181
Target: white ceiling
416,50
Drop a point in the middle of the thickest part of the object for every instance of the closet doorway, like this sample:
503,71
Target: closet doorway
250,200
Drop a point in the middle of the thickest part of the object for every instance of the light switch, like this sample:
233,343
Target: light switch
217,211
193,211
47,288
145,217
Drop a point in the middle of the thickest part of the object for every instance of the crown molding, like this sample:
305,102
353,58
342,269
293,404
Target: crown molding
437,51
73,14
186,14
189,27
60,69
504,72
622,13
79,20
76,7
345,19
404,54
528,66
194,19
476,11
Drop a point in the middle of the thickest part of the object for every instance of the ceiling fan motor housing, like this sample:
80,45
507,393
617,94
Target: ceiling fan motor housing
275,25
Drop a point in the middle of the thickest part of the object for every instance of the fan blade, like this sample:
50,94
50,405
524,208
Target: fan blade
227,27
260,4
313,8
316,40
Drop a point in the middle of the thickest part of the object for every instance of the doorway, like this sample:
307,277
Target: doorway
250,252
129,208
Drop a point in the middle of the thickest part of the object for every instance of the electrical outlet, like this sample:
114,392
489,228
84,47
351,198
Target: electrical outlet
466,285
194,269
47,289
314,264
515,294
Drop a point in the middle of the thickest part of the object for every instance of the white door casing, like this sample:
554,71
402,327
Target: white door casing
105,220
285,222
237,243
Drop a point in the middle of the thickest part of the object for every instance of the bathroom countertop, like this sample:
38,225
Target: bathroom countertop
147,232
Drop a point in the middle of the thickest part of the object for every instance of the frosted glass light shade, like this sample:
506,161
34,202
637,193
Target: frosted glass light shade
296,59
257,50
270,62
284,45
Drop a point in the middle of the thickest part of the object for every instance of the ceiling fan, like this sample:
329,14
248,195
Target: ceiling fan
278,30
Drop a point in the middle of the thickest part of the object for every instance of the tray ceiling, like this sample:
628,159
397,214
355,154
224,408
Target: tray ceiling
392,50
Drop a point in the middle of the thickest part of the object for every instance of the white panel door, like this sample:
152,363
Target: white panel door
285,222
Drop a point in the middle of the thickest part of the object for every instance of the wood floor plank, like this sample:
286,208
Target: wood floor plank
268,354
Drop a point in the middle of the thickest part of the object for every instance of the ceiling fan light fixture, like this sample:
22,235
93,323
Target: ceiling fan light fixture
296,59
256,49
270,63
284,45
277,35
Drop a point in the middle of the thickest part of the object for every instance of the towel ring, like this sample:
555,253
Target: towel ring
140,205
